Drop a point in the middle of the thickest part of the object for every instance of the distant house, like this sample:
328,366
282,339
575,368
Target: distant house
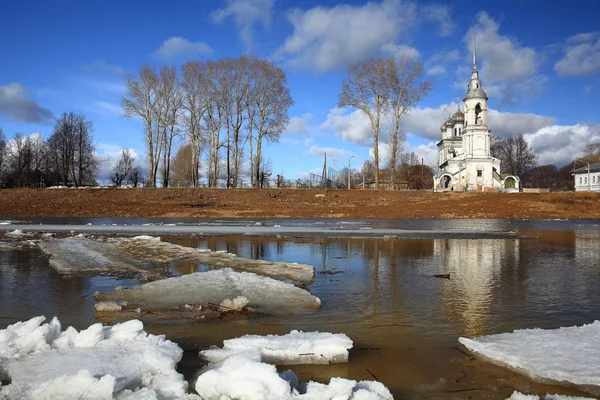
587,179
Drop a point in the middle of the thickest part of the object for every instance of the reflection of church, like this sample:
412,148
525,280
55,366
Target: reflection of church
465,161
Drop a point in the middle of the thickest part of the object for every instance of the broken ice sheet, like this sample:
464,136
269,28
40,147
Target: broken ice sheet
263,293
566,355
294,348
148,249
82,255
42,361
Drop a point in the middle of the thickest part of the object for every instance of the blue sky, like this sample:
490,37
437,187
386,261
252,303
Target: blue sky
539,62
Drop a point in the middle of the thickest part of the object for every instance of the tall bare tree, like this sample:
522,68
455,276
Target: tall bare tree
170,106
142,99
272,100
590,155
384,86
368,89
2,155
194,108
407,89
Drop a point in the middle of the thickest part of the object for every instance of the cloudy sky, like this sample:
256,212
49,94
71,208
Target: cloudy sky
539,62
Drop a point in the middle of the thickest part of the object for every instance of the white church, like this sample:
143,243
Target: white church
465,162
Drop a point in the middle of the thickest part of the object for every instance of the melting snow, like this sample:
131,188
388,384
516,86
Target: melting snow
565,355
262,292
45,362
294,348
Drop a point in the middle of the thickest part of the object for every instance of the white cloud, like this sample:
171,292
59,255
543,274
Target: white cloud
581,57
508,69
441,15
15,105
246,13
334,155
299,124
178,47
397,50
437,70
436,65
102,66
329,38
561,144
500,58
109,107
354,126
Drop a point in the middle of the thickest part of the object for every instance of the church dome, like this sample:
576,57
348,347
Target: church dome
447,124
475,93
458,116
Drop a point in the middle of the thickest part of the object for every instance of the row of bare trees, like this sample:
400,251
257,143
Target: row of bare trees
385,88
67,157
220,108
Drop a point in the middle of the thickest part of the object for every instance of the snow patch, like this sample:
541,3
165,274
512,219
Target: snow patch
297,347
520,396
235,304
565,355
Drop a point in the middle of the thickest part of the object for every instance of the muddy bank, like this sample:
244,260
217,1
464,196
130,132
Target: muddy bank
293,203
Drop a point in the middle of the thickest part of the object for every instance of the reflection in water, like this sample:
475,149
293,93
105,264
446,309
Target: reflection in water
382,293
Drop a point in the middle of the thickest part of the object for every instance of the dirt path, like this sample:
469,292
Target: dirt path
293,203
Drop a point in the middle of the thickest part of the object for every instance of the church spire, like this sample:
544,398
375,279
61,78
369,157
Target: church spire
474,54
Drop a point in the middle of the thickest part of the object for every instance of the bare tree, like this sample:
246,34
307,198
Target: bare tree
194,108
514,154
272,100
85,162
135,176
407,90
2,155
183,165
170,103
143,100
384,86
591,154
122,168
367,88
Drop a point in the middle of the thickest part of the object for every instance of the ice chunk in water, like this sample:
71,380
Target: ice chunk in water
97,363
294,348
241,378
263,293
564,355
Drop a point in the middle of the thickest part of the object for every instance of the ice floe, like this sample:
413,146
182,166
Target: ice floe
520,396
41,361
239,377
294,348
565,355
263,293
147,249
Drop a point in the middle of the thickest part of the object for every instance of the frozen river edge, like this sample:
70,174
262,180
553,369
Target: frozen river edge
262,231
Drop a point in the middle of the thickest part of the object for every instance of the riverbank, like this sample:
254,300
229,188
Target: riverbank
294,203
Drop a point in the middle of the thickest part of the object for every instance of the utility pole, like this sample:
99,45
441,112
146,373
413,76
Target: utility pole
349,171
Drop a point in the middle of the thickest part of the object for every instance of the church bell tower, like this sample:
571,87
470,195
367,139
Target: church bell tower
476,134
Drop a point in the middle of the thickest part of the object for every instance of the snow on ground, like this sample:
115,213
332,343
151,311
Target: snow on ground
44,362
565,355
294,348
239,377
147,249
263,293
520,396
18,233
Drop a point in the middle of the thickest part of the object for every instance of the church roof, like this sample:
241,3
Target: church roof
458,116
584,170
476,93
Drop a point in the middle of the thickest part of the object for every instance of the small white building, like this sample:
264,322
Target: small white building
464,157
587,179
